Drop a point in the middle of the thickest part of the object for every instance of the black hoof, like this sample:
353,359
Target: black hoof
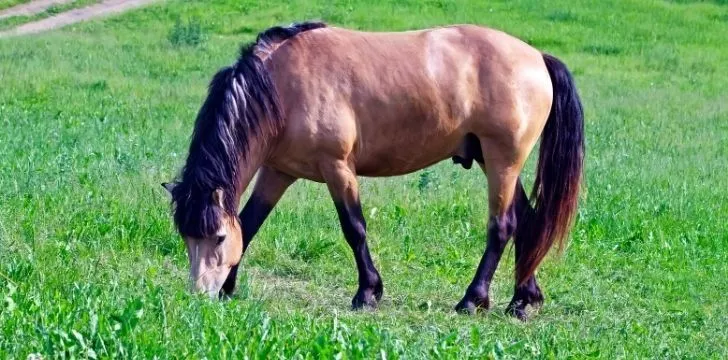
517,310
523,298
471,305
367,298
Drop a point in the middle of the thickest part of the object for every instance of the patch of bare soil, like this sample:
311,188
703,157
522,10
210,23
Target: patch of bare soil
104,8
30,8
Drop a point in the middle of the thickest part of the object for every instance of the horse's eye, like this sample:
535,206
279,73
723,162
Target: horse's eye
220,239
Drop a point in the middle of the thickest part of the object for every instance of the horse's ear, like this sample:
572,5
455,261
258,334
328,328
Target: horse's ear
218,197
169,186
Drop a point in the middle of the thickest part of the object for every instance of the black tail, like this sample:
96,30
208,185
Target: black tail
558,177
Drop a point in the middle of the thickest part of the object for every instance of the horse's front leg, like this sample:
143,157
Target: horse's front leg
344,190
269,187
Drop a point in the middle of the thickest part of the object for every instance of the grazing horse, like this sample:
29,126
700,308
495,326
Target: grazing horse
330,104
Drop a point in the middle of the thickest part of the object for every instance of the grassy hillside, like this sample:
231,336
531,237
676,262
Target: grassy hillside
93,117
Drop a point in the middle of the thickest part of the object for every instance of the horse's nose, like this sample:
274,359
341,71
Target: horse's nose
204,285
197,283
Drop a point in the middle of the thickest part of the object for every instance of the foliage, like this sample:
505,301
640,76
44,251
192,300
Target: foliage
189,33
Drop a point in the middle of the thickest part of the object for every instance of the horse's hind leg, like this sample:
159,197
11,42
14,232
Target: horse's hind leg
502,167
344,190
529,293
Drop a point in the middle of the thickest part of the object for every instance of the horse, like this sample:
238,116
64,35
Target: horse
330,104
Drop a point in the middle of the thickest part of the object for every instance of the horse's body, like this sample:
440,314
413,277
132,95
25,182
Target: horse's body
328,104
393,103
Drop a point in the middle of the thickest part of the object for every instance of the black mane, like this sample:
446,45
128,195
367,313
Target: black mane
242,107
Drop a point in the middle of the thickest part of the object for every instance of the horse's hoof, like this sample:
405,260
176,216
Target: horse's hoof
536,301
368,298
378,291
471,305
465,307
360,303
517,310
522,299
517,306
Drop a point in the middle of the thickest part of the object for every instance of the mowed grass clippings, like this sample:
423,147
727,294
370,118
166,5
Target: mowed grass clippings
96,115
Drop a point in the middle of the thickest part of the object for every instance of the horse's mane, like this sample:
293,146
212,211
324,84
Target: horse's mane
242,107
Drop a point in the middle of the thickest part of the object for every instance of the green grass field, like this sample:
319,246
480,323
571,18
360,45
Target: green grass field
95,116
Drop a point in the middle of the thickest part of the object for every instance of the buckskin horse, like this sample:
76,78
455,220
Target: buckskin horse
329,104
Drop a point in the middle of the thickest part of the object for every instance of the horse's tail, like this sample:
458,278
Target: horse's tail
558,176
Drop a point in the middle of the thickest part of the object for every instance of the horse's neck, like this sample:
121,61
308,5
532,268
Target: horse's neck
248,166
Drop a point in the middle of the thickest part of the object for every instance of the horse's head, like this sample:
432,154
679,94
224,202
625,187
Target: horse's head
211,233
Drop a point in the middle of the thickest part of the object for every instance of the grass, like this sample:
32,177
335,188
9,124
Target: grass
96,115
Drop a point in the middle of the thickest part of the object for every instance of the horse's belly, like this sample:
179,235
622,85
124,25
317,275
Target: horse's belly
395,167
403,155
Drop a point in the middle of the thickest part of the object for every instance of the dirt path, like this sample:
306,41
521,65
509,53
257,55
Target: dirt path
104,8
30,8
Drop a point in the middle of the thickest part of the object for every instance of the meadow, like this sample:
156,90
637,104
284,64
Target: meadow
93,117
